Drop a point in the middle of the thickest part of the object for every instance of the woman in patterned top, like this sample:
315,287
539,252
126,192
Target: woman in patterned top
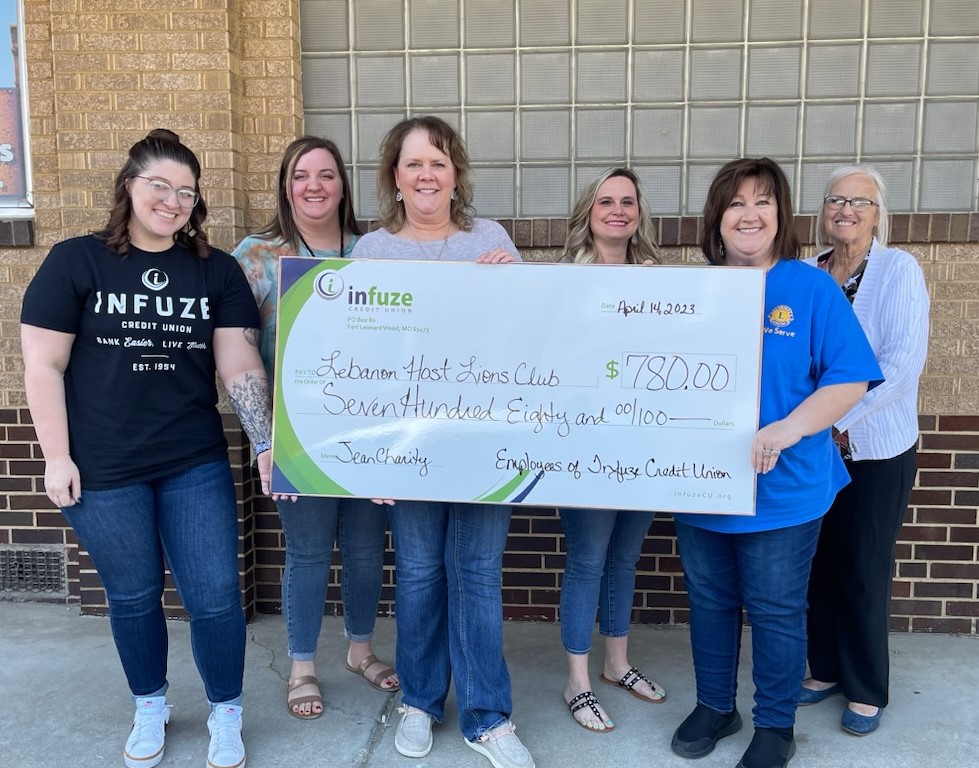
315,218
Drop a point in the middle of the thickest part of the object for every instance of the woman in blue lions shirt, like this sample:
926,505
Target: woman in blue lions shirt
816,363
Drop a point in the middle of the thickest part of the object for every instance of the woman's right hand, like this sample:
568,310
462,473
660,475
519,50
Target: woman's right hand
496,256
62,483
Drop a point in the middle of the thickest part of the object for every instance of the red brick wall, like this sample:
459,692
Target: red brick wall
936,586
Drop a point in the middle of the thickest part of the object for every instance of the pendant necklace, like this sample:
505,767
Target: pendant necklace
425,253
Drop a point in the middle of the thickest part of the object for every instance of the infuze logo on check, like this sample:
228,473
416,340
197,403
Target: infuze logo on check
329,285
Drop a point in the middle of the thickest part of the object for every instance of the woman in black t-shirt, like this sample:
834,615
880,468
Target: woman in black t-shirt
123,332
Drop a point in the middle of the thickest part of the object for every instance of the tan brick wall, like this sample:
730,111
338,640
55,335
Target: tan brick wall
225,74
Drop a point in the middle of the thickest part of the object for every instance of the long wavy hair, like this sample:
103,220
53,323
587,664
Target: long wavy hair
769,176
391,212
283,225
580,245
883,228
159,144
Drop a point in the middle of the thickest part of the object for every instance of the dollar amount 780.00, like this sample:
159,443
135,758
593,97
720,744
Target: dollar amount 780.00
672,372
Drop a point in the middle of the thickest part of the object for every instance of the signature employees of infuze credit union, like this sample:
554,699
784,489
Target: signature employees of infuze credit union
612,469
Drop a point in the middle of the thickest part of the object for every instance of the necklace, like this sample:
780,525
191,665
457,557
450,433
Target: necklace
309,248
846,274
426,253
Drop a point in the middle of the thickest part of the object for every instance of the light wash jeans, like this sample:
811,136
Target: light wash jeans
311,526
449,561
768,573
190,519
603,547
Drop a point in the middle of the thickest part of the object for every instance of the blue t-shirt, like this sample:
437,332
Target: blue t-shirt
811,339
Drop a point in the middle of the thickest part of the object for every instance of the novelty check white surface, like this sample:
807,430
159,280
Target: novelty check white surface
539,384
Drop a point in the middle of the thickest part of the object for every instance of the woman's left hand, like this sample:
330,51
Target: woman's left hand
496,256
769,443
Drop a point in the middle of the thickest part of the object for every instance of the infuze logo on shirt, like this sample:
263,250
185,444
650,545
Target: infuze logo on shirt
155,279
779,319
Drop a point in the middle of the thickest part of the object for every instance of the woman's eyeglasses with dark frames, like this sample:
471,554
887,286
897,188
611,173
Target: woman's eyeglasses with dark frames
857,203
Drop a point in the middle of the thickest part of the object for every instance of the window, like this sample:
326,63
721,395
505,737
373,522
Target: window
548,93
15,191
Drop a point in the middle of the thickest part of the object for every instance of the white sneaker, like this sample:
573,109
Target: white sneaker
226,749
413,737
503,748
144,747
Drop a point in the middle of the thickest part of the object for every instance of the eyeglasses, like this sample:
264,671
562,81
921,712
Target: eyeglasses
857,203
186,197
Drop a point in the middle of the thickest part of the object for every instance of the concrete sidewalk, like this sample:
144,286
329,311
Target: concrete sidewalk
64,702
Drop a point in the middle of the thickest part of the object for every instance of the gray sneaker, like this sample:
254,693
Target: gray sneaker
503,748
413,738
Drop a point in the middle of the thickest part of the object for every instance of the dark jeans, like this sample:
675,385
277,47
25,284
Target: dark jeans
191,520
767,572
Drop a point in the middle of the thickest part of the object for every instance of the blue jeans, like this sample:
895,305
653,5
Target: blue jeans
603,547
311,526
449,561
768,573
191,519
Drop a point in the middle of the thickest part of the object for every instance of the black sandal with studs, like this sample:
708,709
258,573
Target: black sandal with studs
588,699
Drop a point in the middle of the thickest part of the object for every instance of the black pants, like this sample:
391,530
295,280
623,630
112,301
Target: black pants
850,584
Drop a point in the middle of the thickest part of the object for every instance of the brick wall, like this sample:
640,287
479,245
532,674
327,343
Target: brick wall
935,588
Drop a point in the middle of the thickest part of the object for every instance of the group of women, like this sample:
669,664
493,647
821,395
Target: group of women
837,433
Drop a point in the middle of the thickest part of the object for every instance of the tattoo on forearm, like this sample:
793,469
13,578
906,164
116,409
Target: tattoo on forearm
253,404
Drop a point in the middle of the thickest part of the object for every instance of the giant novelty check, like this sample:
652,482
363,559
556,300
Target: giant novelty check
539,384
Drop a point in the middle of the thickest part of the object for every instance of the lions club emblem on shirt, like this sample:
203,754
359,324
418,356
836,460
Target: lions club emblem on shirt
781,316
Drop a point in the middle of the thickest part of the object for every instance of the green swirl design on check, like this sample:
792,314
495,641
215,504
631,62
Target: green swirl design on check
297,467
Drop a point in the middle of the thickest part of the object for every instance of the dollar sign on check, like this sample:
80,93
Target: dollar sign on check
613,369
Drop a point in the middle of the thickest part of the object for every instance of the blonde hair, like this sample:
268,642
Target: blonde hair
580,245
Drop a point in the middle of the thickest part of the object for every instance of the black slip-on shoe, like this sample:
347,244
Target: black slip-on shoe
769,748
698,734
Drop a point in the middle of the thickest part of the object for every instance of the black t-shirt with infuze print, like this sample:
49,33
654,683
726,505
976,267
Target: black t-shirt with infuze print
140,383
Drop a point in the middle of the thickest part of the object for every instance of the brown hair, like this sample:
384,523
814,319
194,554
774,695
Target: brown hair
724,187
390,211
159,144
283,225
